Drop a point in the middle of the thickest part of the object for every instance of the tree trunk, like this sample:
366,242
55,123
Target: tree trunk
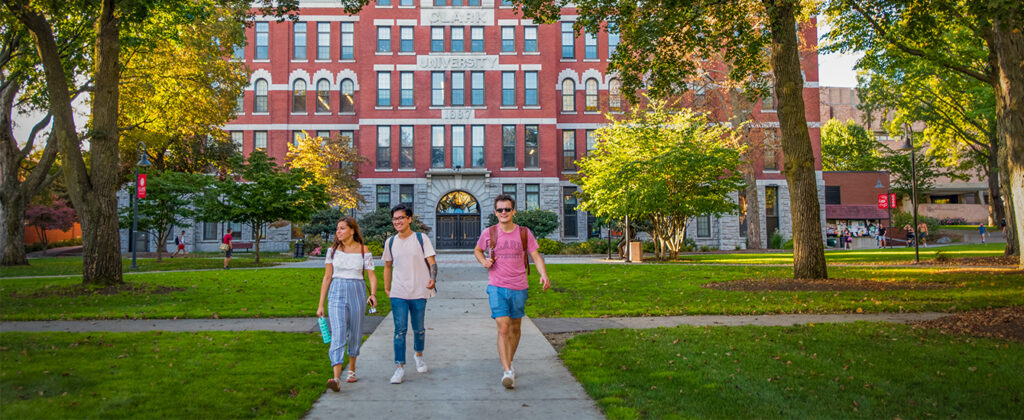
753,211
12,230
1009,45
808,249
995,195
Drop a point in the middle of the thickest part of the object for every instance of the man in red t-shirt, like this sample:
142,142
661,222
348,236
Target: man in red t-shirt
227,252
507,283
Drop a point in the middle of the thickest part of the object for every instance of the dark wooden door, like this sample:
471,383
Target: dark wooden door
457,231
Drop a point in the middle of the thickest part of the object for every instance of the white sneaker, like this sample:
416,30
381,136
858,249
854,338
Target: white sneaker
508,380
399,375
421,365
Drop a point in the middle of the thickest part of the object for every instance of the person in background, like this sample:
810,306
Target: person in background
180,242
981,231
227,250
922,232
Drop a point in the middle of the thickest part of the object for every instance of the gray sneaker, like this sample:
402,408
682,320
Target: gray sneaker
421,365
508,380
399,375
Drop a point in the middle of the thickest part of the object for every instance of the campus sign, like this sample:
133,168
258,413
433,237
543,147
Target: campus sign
456,63
435,17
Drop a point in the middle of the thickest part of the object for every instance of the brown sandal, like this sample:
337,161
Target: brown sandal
333,385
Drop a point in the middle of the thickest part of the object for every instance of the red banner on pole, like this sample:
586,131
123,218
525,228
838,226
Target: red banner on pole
892,201
883,201
142,185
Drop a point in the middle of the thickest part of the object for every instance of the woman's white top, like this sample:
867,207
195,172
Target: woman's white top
348,265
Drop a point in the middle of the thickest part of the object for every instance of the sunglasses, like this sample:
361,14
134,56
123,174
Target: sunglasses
503,210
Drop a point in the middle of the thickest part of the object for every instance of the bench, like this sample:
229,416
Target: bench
247,246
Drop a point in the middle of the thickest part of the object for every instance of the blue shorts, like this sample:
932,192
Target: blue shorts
507,302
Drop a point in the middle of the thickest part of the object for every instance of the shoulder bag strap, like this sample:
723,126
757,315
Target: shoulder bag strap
526,253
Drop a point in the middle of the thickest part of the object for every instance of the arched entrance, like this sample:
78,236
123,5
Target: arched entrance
458,221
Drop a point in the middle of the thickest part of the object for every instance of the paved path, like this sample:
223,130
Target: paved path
465,373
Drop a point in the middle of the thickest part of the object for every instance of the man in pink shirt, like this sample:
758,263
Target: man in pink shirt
507,280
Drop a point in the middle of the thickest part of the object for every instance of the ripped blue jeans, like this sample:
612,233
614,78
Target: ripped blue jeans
401,310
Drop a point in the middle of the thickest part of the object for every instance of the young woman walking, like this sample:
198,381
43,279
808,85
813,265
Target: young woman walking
345,291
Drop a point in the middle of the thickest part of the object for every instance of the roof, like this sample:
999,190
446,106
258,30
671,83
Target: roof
854,212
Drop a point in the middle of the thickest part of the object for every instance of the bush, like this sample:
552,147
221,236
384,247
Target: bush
705,248
649,246
775,241
540,222
38,246
377,226
595,246
953,221
375,248
548,247
900,219
788,244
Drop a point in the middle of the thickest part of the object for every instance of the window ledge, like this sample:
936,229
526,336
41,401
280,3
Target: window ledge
508,107
300,113
507,53
383,53
260,113
568,60
438,107
407,170
510,169
531,52
347,60
769,111
531,169
406,7
531,107
385,7
406,107
263,60
591,60
591,112
383,170
388,108
771,171
322,113
346,113
300,61
322,61
569,172
407,53
569,113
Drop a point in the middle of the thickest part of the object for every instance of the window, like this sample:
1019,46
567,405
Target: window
530,146
406,44
568,41
477,154
530,92
476,39
348,40
506,3
458,39
240,104
383,2
530,38
348,100
406,94
406,3
742,203
458,88
405,143
508,146
589,46
770,161
768,103
508,39
613,41
614,95
456,2
509,189
237,137
532,196
437,146
569,150
210,231
477,87
771,210
568,95
569,211
259,140
299,41
591,98
591,141
440,2
323,41
296,137
437,88
704,226
508,88
261,96
384,88
262,40
323,135
832,195
458,146
323,96
238,51
384,196
473,2
299,96
383,147
347,137
383,39
437,39
405,194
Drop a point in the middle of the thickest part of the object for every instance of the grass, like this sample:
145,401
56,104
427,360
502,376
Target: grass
206,375
56,266
862,370
860,256
246,293
657,290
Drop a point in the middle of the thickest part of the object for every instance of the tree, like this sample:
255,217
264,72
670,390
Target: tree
50,214
333,162
540,222
268,194
377,226
169,203
324,223
848,147
660,44
664,166
935,32
897,162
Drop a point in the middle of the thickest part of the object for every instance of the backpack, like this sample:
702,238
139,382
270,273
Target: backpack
419,237
493,233
176,241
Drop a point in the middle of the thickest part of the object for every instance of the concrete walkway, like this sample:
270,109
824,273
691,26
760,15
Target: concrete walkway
464,381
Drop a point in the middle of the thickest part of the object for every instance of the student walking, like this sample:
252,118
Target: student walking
345,290
410,273
507,246
922,233
981,231
225,245
180,242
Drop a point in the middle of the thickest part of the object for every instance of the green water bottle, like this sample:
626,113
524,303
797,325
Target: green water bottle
324,331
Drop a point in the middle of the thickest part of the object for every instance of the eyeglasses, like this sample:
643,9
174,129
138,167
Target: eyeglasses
503,210
399,218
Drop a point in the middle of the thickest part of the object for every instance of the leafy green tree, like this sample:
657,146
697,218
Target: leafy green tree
170,203
377,227
266,195
333,162
324,223
540,222
897,162
848,147
664,166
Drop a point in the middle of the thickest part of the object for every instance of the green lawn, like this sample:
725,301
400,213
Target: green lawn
56,266
206,375
862,370
861,256
243,293
655,290
968,227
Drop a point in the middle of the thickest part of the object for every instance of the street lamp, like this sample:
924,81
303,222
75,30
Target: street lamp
913,189
143,162
886,243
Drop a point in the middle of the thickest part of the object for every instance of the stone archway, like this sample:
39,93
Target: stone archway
458,221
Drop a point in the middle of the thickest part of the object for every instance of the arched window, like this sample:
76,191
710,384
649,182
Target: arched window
348,100
568,95
614,95
261,96
299,96
591,104
323,96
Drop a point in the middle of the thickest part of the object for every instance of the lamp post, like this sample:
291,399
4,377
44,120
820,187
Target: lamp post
143,162
913,188
888,209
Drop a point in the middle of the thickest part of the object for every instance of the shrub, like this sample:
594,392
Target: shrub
596,246
377,226
953,221
540,222
900,219
548,247
375,248
788,244
775,241
705,248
